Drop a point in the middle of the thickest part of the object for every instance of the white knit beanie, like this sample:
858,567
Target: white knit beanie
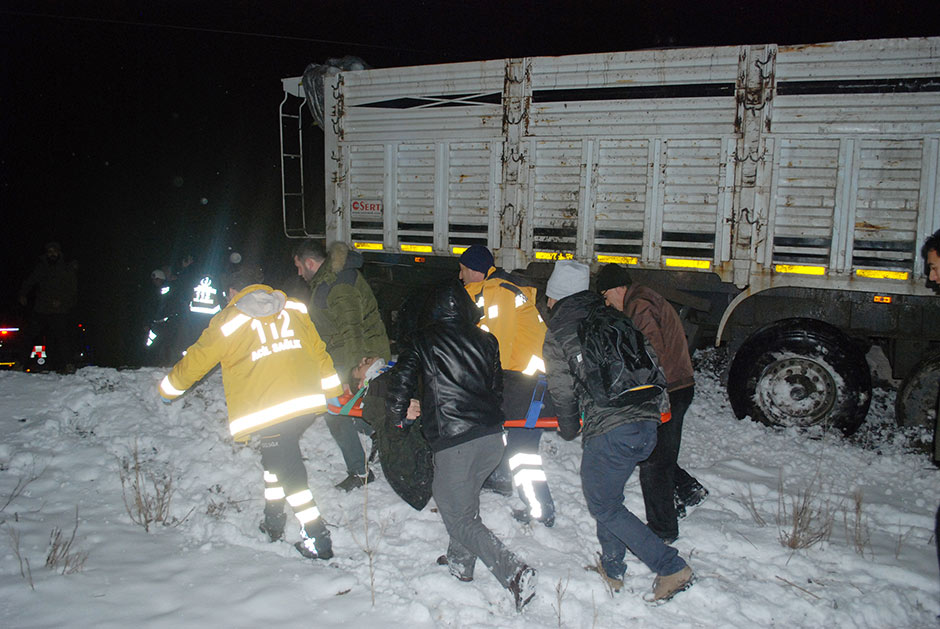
568,278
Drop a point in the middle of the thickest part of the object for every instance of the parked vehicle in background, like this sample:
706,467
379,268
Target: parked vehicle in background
13,352
777,195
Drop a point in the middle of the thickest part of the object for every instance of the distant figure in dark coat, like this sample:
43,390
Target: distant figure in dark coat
56,287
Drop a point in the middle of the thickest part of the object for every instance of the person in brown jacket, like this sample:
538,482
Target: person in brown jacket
668,490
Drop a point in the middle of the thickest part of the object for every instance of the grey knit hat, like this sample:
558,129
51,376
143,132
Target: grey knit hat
568,278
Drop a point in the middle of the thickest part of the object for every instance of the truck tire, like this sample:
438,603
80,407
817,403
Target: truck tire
916,403
801,372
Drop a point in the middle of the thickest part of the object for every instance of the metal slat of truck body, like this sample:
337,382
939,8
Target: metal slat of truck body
858,198
449,102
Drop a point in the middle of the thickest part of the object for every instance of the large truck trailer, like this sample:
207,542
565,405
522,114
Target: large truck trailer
777,195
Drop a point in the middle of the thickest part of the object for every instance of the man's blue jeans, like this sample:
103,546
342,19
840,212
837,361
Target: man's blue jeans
606,464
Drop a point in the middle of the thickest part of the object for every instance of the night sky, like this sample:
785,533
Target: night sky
133,132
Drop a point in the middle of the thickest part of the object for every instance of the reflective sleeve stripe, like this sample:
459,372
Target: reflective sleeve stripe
258,418
274,493
484,328
168,388
330,382
524,458
296,305
307,515
480,302
238,321
493,311
521,300
300,498
535,364
270,477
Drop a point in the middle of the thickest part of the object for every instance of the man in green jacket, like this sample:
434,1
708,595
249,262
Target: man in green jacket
346,315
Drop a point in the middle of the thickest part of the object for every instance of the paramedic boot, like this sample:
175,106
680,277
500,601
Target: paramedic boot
315,542
273,525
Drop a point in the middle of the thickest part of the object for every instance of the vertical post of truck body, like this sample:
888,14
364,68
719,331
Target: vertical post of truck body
513,213
334,158
753,96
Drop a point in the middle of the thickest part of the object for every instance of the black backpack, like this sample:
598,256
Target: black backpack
617,366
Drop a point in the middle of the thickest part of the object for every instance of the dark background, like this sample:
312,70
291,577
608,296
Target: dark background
134,132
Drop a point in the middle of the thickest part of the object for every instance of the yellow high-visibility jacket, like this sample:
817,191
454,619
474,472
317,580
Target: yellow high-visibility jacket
274,364
509,314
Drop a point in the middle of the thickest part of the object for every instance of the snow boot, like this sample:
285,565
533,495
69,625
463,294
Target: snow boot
522,586
667,586
318,546
614,584
689,499
459,572
273,526
355,481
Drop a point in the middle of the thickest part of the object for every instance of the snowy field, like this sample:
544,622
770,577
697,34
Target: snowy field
66,439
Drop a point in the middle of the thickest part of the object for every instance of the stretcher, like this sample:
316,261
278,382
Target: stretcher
355,410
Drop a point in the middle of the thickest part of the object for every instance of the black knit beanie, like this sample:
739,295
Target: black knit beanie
611,276
478,258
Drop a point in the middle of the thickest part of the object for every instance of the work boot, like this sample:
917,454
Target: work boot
615,583
459,572
667,586
522,586
273,526
315,547
689,499
355,481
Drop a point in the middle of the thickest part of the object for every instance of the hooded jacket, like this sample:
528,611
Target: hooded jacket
345,312
659,322
509,313
562,351
457,366
274,365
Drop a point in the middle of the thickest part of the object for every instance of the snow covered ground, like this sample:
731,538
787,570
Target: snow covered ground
65,440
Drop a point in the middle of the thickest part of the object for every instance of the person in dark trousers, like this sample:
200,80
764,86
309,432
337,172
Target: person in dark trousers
277,377
452,367
347,316
509,313
931,254
668,490
55,283
614,439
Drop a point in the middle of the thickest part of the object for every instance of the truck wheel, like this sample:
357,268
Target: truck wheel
801,372
916,403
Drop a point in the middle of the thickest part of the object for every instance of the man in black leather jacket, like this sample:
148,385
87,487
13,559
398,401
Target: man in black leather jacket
461,387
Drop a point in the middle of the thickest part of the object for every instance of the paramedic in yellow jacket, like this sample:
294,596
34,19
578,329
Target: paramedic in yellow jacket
509,313
277,378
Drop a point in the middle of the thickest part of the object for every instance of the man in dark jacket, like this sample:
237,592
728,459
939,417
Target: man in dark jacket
345,313
458,368
667,488
615,439
56,286
931,254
